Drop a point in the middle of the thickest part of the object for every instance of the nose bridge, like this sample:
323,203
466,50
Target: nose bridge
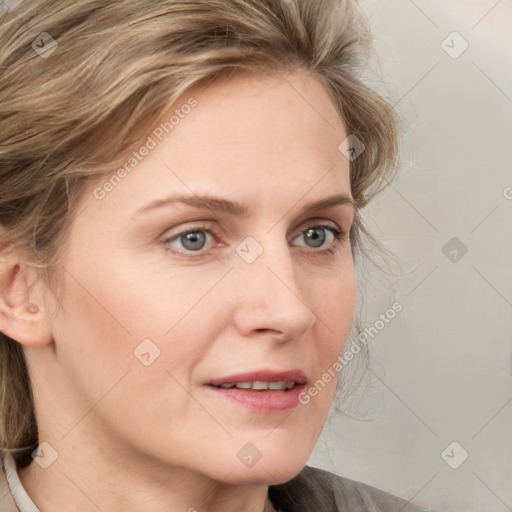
270,296
272,263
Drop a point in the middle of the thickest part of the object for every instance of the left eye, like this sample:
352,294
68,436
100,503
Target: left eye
315,236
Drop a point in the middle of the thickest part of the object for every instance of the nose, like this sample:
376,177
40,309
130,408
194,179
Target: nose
270,301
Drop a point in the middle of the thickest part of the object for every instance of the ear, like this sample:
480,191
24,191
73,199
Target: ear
22,307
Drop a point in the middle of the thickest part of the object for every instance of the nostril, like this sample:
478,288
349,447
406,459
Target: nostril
276,336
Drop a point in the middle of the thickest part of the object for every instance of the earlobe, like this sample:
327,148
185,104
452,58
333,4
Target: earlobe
22,312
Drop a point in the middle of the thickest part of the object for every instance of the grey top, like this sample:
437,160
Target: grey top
312,490
315,490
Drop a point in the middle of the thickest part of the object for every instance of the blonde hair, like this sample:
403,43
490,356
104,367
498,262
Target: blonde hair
73,116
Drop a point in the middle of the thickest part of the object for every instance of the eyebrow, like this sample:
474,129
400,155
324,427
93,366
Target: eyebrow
218,204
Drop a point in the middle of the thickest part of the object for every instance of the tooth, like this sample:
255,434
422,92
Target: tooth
243,385
258,384
276,385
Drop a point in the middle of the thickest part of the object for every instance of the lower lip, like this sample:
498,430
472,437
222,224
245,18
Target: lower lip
265,401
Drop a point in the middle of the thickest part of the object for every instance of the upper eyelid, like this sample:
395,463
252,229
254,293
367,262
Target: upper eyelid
209,226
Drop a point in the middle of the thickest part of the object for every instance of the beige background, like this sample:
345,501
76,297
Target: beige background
441,370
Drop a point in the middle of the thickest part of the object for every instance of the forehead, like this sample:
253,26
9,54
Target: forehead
247,108
246,135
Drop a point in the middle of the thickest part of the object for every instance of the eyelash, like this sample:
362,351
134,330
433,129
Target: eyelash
339,235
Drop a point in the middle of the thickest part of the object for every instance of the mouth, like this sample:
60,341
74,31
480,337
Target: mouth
259,385
262,391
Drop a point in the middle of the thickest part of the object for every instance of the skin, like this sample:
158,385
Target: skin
154,438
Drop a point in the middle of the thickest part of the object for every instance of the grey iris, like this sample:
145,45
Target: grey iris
193,241
316,236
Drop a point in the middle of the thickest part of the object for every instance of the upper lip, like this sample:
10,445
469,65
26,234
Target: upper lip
298,376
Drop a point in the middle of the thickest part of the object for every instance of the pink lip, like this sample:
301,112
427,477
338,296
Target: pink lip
262,401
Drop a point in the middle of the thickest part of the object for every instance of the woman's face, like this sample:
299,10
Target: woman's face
162,298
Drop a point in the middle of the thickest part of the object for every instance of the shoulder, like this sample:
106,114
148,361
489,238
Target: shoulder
6,499
329,492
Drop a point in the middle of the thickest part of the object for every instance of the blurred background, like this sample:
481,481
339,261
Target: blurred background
432,421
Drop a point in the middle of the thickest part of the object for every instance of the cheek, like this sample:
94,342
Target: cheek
334,305
98,333
117,317
93,345
145,296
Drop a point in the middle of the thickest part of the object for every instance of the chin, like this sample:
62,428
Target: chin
268,475
276,467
